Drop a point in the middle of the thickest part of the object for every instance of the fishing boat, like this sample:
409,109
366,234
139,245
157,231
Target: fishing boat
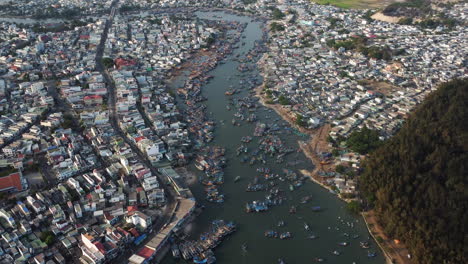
271,234
336,253
306,226
319,260
230,92
185,252
199,166
244,247
343,244
207,257
371,254
175,251
237,178
316,209
292,210
305,199
256,206
281,223
313,236
285,235
364,244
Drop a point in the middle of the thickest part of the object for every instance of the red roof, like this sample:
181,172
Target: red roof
108,216
91,97
132,208
146,252
122,231
123,62
137,139
134,232
11,181
100,247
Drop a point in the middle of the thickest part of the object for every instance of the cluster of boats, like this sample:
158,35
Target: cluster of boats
256,206
211,160
200,251
272,198
274,234
244,67
246,139
260,129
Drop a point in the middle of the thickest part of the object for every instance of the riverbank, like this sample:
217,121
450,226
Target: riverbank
249,245
316,144
394,250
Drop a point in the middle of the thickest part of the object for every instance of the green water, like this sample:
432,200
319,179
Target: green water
329,225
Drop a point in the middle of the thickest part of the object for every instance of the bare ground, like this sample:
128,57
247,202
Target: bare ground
381,87
393,251
380,16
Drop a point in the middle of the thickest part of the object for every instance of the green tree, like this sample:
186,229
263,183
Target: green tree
417,180
354,207
47,237
340,169
277,14
108,62
283,100
300,120
363,141
276,27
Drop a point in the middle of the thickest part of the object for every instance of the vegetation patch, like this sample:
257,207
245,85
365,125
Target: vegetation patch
364,141
416,180
346,4
274,27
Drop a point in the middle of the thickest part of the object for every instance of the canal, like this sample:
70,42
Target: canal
332,225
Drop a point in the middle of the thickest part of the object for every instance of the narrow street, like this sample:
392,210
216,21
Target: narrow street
113,117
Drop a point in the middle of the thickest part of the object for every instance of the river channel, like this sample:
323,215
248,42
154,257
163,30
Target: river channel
331,225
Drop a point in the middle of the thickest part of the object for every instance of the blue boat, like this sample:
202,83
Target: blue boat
256,206
271,233
316,208
285,235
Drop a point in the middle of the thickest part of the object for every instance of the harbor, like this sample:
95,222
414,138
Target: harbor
247,161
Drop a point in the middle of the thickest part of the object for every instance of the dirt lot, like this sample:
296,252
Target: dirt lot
34,178
381,87
396,252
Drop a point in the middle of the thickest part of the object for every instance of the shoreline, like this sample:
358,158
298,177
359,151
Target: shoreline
304,145
394,253
369,220
307,148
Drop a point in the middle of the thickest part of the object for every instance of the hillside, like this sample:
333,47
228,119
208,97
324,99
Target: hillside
417,180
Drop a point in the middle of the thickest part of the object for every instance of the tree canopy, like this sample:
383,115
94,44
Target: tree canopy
417,180
364,140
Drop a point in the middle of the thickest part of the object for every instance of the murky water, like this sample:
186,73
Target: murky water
330,225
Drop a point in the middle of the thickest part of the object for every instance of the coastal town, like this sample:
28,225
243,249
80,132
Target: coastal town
97,143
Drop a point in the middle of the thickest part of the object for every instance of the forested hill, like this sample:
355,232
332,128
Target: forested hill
417,180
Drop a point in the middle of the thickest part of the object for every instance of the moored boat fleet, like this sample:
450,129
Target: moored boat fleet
258,149
200,251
